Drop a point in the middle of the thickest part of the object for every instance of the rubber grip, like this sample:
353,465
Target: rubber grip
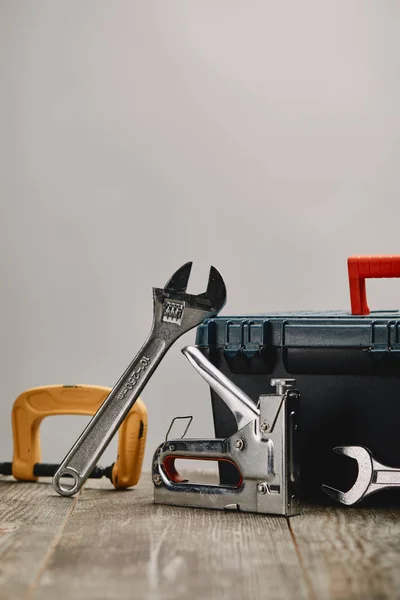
33,405
361,268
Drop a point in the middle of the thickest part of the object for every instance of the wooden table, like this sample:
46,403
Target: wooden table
107,544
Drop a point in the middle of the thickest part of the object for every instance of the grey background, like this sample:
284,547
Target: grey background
262,137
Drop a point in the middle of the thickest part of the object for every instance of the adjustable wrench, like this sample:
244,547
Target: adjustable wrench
372,476
175,313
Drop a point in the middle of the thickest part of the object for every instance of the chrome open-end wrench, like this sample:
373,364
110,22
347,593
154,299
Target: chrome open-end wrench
175,313
372,476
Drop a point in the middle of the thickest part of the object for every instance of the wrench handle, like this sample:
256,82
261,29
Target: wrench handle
92,442
387,477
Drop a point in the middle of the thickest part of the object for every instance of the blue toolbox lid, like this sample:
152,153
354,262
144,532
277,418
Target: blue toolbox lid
376,331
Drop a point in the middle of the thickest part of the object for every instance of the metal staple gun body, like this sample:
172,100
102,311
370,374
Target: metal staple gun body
175,313
263,451
372,477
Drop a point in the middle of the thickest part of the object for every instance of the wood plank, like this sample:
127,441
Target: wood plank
120,545
350,552
32,517
107,544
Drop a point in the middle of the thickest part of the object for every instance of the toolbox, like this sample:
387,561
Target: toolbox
346,366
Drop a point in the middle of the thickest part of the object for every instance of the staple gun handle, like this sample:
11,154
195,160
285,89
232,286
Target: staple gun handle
361,268
33,405
193,449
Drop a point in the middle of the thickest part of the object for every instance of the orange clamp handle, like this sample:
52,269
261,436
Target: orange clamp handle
365,267
33,405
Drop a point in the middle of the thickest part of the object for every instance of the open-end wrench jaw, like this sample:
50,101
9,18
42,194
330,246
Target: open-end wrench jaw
364,478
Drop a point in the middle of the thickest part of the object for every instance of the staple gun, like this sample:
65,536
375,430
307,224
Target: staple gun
33,405
263,451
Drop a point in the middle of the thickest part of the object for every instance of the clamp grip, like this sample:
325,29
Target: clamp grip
365,267
33,405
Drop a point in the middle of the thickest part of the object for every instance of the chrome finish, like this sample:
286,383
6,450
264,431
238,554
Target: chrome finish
239,444
189,419
175,313
241,406
268,468
372,476
262,488
282,385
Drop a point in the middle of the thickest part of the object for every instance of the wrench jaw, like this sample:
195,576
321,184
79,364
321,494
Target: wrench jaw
176,312
215,293
179,280
361,487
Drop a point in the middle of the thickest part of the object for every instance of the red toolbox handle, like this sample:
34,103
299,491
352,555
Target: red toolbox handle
363,267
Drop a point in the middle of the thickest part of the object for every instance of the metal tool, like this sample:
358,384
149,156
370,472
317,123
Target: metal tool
372,476
33,405
263,451
175,313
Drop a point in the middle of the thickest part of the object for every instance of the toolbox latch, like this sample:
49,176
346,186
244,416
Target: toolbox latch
245,338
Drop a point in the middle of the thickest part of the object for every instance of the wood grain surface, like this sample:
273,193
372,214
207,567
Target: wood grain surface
350,552
31,523
107,544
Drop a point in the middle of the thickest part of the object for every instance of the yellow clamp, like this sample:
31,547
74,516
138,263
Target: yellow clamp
33,405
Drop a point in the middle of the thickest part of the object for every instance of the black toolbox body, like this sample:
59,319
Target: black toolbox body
347,369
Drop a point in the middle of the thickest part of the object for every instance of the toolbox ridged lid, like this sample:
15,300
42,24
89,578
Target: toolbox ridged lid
379,330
